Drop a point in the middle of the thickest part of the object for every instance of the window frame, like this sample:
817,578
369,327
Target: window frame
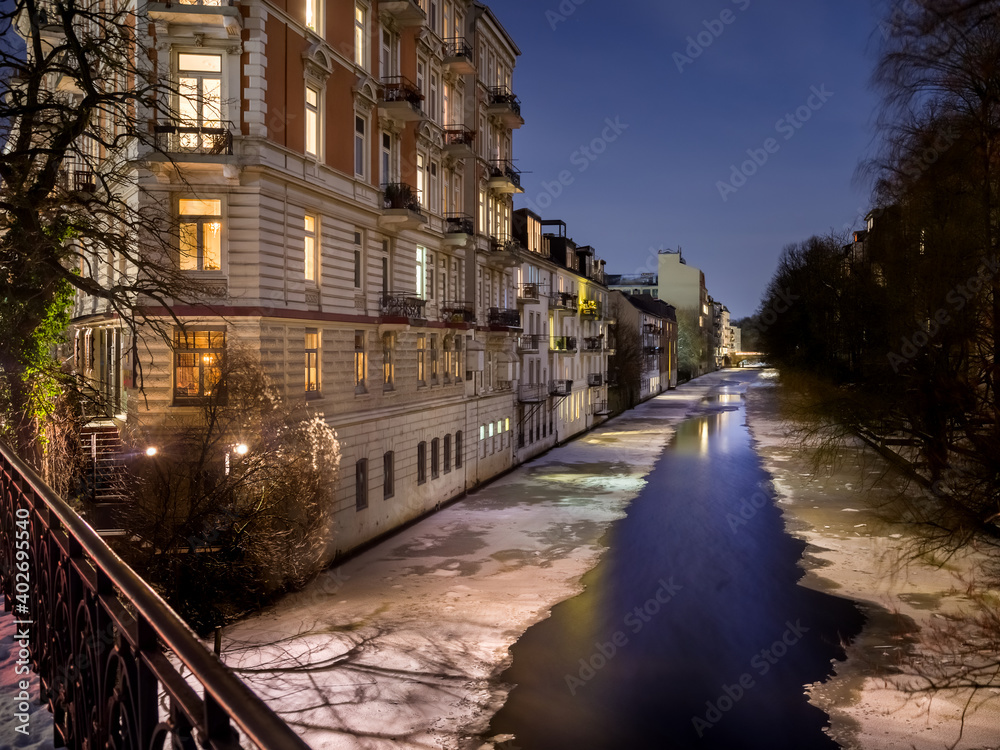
361,484
200,221
388,475
361,146
422,462
458,449
313,122
310,248
360,362
446,453
312,354
188,399
435,457
361,35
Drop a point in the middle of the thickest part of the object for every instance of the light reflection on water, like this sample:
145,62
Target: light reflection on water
600,673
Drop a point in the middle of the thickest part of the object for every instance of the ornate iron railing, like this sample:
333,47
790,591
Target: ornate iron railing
563,344
503,96
402,89
458,47
498,316
459,224
560,387
503,169
107,649
458,311
400,195
401,305
530,342
184,137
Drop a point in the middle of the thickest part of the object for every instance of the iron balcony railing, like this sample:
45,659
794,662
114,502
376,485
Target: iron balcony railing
459,224
401,305
530,342
563,344
107,649
501,168
455,311
563,301
560,387
400,195
78,179
505,247
456,135
593,344
504,318
528,292
191,137
458,47
402,89
501,95
532,393
595,380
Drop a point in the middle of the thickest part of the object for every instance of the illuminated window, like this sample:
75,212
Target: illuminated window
312,14
199,101
312,121
200,234
360,363
312,361
361,36
388,361
309,247
197,360
421,358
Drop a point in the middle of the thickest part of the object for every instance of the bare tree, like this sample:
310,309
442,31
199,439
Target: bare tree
80,93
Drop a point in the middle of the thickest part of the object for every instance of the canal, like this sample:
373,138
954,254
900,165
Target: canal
692,632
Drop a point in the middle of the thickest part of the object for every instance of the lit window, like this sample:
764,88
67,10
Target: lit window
312,361
312,14
197,360
309,247
312,121
360,362
200,234
360,36
421,193
421,358
199,101
388,361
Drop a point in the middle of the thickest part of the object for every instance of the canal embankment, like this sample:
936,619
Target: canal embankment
829,500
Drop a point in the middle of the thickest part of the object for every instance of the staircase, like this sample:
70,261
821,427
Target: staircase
102,451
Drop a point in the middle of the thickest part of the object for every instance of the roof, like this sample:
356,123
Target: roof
652,306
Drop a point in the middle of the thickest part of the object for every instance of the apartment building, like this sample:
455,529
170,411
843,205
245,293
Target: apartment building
566,341
341,175
654,325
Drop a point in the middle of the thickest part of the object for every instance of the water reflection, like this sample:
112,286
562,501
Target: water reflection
692,631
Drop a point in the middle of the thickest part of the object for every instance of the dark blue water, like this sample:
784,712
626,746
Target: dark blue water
692,631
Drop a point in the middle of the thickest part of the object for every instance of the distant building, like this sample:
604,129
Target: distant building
735,339
642,283
652,324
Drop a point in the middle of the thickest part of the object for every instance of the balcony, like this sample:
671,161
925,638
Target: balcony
500,318
400,207
458,312
457,229
595,380
651,328
504,105
530,343
528,294
405,13
218,13
458,56
560,387
563,301
504,178
78,179
189,137
504,251
401,100
459,141
563,344
593,344
590,309
532,393
400,307
601,409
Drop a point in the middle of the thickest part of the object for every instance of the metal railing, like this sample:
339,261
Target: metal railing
529,292
458,47
530,342
457,135
402,89
560,387
504,318
459,224
563,300
593,344
457,311
563,344
189,137
503,96
503,169
595,380
400,195
401,305
532,393
105,646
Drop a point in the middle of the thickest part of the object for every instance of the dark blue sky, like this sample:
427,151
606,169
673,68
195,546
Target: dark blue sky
655,183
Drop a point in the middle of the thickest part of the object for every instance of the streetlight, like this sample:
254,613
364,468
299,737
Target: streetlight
240,449
151,451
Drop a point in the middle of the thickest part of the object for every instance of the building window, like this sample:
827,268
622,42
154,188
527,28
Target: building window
421,181
360,363
358,264
388,361
421,462
447,453
421,272
387,160
434,359
312,14
200,234
388,475
361,484
197,360
312,121
361,36
458,449
360,141
421,358
435,457
199,100
309,247
312,362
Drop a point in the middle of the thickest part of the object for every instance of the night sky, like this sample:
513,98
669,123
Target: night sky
654,183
